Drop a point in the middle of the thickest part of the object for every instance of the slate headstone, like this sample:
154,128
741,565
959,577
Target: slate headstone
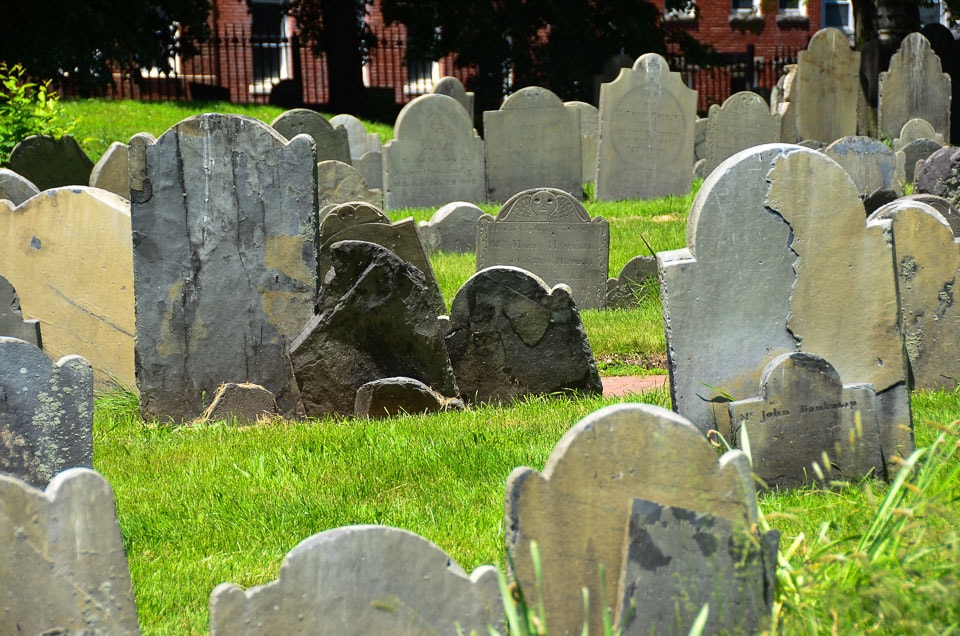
338,182
939,174
452,228
112,171
50,163
743,121
242,403
388,397
16,188
869,162
827,87
911,153
879,198
453,87
332,143
914,86
914,129
12,323
627,289
589,138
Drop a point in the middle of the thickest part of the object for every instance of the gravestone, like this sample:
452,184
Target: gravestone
945,46
699,139
781,103
362,580
914,129
436,156
46,416
377,319
16,188
647,118
548,232
62,559
869,162
941,205
533,141
631,285
452,87
589,139
223,211
914,86
51,163
510,335
879,198
911,153
12,323
68,254
579,509
332,143
827,87
365,149
939,174
806,425
452,228
112,172
388,397
242,402
777,265
742,122
339,182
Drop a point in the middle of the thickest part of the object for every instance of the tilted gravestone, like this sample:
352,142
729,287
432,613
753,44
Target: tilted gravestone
46,413
61,558
50,163
68,254
377,319
338,182
647,118
388,397
510,335
913,152
914,86
939,174
452,228
869,162
775,266
533,141
366,151
743,121
807,426
549,233
453,87
12,323
589,138
332,143
112,172
915,129
579,512
362,580
436,156
827,87
632,284
223,211
16,188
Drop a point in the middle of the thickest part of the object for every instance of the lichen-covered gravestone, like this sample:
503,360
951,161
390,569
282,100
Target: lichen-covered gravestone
914,86
332,143
62,566
12,323
112,172
647,118
533,141
548,232
16,188
362,580
827,87
743,121
223,212
581,512
452,228
50,163
46,413
869,162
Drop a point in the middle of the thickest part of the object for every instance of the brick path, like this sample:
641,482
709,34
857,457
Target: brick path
626,385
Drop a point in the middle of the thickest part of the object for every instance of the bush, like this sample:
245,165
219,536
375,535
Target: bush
27,108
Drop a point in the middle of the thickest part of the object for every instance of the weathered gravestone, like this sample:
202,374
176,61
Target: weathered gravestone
869,162
366,151
580,510
68,254
742,122
332,143
913,152
781,103
549,233
12,323
339,182
436,156
914,86
879,198
775,265
827,87
633,282
915,129
46,413
699,139
941,205
16,188
589,139
939,174
533,141
452,228
362,580
945,46
50,163
388,397
453,87
112,172
242,402
647,120
223,211
377,319
806,425
510,335
62,566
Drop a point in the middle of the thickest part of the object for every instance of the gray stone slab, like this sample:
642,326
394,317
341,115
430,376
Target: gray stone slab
939,174
370,165
633,283
827,87
332,143
807,426
46,414
699,139
61,559
15,187
533,141
224,212
112,172
578,509
869,162
388,397
362,580
941,205
549,233
647,120
911,153
338,182
50,163
916,128
361,142
452,228
12,323
240,403
436,156
510,335
453,87
914,86
589,138
743,121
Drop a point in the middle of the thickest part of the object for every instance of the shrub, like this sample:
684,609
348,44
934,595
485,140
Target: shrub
27,108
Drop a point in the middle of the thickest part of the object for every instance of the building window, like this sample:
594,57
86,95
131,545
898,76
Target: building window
680,10
838,14
791,7
931,12
745,6
270,46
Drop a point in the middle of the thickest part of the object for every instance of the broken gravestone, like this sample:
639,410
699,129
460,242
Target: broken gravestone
634,282
16,188
452,228
387,397
243,403
12,324
51,163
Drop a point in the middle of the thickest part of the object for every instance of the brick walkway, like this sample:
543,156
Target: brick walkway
627,385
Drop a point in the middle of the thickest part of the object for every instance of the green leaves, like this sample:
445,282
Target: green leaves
27,108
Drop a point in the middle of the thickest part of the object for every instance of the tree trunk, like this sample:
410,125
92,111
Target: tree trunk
344,59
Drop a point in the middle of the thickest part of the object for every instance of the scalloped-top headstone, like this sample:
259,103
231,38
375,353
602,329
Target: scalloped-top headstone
827,87
51,163
914,86
647,118
12,323
743,121
223,212
15,187
549,233
454,88
332,143
112,171
869,162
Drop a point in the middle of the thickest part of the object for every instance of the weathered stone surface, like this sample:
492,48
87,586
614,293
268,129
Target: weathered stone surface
242,403
510,335
453,87
869,162
941,205
51,163
378,319
362,580
549,233
361,142
16,188
879,198
803,413
826,88
387,397
533,141
436,156
62,560
647,118
782,104
112,172
223,223
338,182
944,44
742,122
589,138
627,289
915,129
938,174
914,86
332,143
68,254
12,323
452,228
911,153
699,139
46,413
578,509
